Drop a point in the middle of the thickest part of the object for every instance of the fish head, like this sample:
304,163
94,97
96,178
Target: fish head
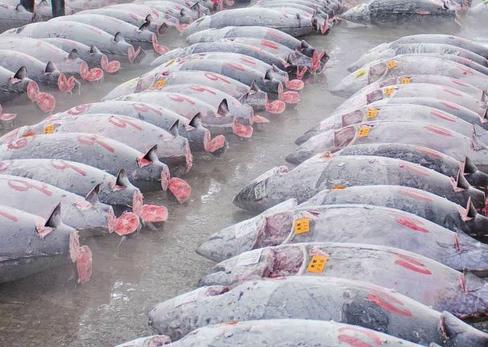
168,317
460,333
352,83
271,262
270,228
359,14
254,196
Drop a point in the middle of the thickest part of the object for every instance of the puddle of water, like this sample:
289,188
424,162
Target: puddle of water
47,310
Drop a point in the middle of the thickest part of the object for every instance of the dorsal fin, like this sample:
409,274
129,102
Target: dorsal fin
92,196
196,120
151,154
122,179
21,73
73,54
223,108
174,128
118,36
54,219
50,67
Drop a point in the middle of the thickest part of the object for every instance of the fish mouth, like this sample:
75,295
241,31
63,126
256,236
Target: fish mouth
180,189
82,257
127,223
109,66
241,130
90,75
215,145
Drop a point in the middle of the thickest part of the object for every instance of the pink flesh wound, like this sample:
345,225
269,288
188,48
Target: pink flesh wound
215,144
180,189
276,107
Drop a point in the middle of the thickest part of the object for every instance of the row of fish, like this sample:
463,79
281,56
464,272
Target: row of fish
385,195
64,49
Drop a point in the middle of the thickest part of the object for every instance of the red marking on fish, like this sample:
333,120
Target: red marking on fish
92,140
438,130
236,66
450,105
77,110
269,44
8,216
122,123
213,77
429,152
274,34
62,165
345,337
411,263
443,116
248,60
389,304
453,92
18,143
202,89
417,170
416,195
4,165
411,224
180,98
459,82
23,186
145,108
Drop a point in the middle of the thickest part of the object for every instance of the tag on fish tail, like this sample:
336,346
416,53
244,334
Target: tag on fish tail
301,226
388,91
49,129
405,80
372,113
391,64
317,263
363,131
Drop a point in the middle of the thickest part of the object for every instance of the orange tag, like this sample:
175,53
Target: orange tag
363,132
339,187
301,226
405,80
317,263
372,113
388,91
49,129
159,84
391,64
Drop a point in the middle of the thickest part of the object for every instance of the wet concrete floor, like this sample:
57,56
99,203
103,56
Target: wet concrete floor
128,279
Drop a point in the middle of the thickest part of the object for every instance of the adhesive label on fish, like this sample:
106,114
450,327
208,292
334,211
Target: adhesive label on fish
159,84
187,298
360,73
392,64
260,190
339,187
301,226
405,80
317,263
363,132
49,129
388,91
372,113
250,258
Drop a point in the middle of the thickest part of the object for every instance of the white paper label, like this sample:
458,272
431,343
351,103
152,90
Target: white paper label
260,190
249,258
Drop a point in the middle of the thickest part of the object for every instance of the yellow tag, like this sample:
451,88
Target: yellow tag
317,263
159,84
360,73
339,187
49,129
301,226
172,61
388,91
391,64
363,132
372,113
405,80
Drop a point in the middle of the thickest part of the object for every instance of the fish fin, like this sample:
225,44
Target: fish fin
94,49
196,120
118,36
21,73
144,26
223,108
254,86
73,54
151,154
148,18
174,128
92,196
54,219
122,179
50,67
